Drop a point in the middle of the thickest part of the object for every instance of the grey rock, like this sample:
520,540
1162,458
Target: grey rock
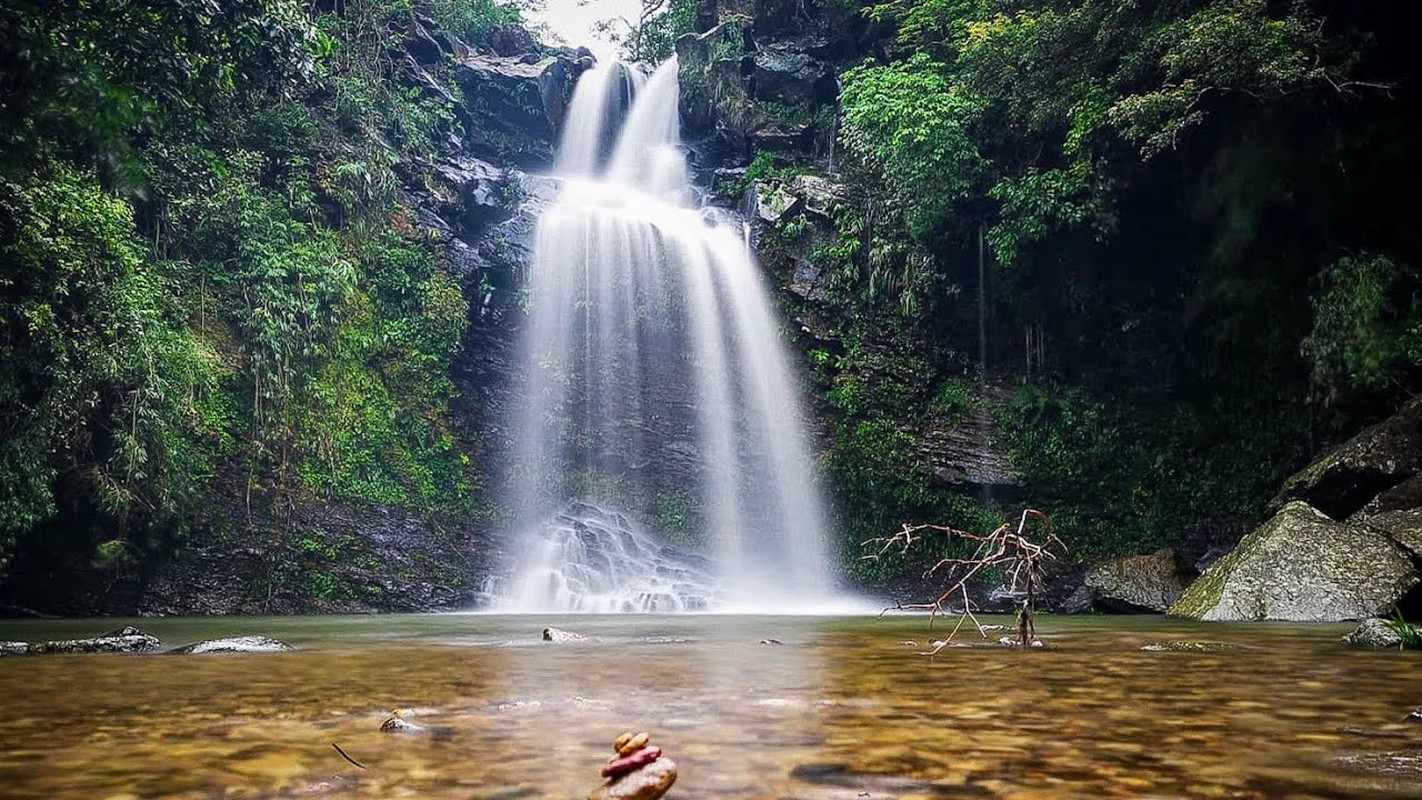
127,639
1404,527
423,47
783,136
1375,633
774,203
1302,566
962,450
236,644
820,194
515,107
783,73
476,193
1150,583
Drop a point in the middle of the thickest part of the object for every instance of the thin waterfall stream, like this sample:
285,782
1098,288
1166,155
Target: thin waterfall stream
656,380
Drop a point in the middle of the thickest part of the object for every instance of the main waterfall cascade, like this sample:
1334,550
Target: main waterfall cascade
656,378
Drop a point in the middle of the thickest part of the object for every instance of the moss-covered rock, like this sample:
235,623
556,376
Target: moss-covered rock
1302,565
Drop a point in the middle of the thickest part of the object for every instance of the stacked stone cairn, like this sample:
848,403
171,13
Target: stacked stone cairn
636,772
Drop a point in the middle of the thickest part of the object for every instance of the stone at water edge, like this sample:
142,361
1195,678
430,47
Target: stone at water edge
127,639
1136,584
236,644
1302,566
560,636
1376,633
396,723
648,783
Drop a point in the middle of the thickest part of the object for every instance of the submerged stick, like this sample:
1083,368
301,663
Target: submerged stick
346,756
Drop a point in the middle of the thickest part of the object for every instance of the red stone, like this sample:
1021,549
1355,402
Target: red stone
636,761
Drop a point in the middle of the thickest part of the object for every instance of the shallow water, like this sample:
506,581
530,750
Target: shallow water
842,709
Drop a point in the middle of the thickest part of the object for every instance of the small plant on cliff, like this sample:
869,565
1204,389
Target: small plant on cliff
1007,548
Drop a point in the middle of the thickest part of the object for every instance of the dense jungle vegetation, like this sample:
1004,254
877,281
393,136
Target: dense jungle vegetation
1196,217
1201,261
205,272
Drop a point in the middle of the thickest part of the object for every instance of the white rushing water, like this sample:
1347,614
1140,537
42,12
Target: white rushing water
656,375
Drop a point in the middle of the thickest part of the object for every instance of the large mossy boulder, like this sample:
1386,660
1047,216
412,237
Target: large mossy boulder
1136,584
1351,475
1302,565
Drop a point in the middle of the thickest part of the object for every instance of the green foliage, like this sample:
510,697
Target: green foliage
1409,636
94,78
100,377
1123,479
469,20
1367,330
205,269
909,124
653,38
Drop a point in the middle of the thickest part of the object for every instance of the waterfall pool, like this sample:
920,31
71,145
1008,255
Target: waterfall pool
842,708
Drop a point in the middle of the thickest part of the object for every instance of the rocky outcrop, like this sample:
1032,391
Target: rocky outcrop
1362,469
1378,633
127,639
236,644
1134,584
321,557
961,451
741,95
517,102
783,72
1302,565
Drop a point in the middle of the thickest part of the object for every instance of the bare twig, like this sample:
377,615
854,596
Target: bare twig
1007,547
346,756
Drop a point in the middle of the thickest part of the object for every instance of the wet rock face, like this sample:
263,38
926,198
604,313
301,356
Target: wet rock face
1135,584
1302,566
785,73
376,558
517,104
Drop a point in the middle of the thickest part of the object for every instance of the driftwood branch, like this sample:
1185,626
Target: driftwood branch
1008,547
346,756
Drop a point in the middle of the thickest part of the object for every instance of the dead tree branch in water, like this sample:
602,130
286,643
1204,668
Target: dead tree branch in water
1008,547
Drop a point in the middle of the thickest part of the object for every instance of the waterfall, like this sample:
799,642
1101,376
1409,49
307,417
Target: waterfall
656,380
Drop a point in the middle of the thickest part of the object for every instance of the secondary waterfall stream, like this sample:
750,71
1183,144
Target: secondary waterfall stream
657,385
